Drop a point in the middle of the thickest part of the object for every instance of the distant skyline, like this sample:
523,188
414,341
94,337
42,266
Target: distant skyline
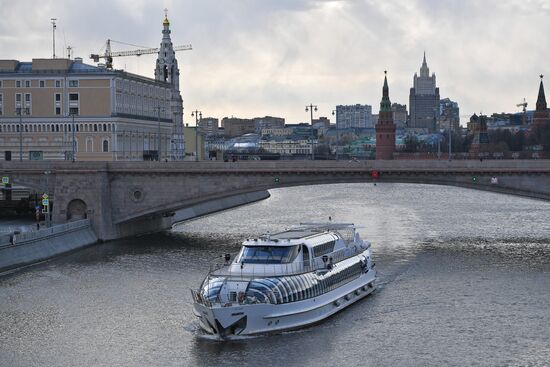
255,58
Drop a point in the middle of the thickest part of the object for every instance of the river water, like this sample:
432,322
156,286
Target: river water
464,280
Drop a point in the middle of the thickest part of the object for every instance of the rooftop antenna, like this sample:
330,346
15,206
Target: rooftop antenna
53,31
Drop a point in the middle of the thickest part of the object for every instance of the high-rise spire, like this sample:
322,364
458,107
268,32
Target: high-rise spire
385,104
541,99
424,69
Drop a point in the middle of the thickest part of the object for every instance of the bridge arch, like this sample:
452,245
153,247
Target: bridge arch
76,210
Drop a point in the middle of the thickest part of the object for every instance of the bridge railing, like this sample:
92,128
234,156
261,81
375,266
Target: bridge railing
14,239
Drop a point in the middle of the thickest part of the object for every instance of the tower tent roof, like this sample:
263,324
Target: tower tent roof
541,99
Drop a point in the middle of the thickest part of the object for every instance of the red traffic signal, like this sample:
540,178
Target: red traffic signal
374,174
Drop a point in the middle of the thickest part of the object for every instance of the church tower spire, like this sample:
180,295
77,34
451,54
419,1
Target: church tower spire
167,71
167,66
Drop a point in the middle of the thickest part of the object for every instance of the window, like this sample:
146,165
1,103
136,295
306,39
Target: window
267,254
27,83
58,111
73,83
73,97
18,97
89,145
58,97
27,97
0,84
18,83
58,83
42,84
105,146
73,111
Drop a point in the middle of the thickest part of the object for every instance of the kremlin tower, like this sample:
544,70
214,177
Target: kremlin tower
541,116
385,128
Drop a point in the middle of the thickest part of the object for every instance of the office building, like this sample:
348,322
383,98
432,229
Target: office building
424,101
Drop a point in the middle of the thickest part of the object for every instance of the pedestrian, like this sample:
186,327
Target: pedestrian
38,226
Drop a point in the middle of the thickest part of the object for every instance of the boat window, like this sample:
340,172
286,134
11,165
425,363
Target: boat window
305,254
268,254
323,249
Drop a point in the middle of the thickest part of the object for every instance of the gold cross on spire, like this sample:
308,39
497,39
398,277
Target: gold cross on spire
166,21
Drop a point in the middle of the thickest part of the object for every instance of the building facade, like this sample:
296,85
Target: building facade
209,125
424,101
63,109
268,122
353,116
449,115
399,115
49,105
385,128
234,126
287,146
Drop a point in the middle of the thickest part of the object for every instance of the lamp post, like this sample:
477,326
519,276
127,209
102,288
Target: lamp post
74,148
337,133
439,143
47,217
310,109
159,110
20,113
450,139
198,115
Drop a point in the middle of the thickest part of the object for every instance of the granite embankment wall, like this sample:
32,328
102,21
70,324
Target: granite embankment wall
31,247
218,205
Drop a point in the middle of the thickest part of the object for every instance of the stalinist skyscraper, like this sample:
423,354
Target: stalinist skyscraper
424,100
167,71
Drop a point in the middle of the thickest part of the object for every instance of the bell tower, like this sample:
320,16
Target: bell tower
167,66
167,71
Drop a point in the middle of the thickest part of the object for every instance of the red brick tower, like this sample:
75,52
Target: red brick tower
541,116
385,128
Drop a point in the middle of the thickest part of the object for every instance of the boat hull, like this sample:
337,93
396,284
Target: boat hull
250,319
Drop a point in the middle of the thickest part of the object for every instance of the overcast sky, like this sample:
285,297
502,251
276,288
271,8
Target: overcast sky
272,57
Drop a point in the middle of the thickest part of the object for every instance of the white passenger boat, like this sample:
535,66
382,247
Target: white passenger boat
286,280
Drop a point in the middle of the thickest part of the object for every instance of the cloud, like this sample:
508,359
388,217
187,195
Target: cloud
254,57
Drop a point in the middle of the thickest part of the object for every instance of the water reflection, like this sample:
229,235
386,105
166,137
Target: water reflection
463,281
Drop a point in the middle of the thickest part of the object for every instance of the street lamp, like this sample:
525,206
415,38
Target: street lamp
20,112
311,108
450,139
337,133
72,128
47,217
198,115
159,110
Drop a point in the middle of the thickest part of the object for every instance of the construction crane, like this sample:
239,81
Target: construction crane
108,55
524,117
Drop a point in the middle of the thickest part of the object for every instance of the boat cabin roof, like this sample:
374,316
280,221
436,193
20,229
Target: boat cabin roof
310,234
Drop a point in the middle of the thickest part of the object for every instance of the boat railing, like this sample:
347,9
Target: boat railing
244,298
251,271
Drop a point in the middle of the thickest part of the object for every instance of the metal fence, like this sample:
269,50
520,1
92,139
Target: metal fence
16,238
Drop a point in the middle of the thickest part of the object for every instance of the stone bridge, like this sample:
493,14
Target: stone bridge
128,198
